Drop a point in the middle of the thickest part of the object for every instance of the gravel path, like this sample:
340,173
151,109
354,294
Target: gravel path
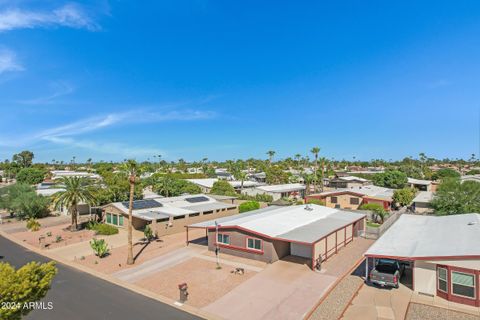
338,299
423,312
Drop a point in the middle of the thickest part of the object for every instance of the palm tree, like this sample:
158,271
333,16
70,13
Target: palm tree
132,168
270,154
76,191
315,151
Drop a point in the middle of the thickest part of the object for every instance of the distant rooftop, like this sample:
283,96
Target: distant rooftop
279,188
424,196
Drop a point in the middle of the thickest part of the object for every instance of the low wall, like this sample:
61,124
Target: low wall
375,233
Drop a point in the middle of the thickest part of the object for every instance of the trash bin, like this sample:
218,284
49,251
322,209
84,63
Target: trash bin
183,288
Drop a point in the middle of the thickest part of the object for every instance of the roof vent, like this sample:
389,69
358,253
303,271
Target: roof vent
471,223
308,207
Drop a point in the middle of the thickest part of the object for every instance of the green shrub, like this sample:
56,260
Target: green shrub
105,229
248,206
100,247
257,197
148,233
316,201
33,225
58,238
28,284
378,211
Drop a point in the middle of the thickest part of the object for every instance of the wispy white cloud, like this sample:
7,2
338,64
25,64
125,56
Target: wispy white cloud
60,89
69,134
70,15
9,61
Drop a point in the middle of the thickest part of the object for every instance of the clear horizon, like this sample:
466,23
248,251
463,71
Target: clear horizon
112,80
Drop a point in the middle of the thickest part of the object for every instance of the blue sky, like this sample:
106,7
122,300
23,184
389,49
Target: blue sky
110,80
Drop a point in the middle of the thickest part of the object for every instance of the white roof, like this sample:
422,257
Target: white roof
475,177
369,191
246,184
174,206
282,187
352,178
206,183
56,174
291,222
424,196
415,236
419,181
49,192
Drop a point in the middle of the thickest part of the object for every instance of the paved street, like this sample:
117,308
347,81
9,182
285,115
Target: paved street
76,295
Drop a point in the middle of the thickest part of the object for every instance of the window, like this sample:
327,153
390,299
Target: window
120,220
223,238
442,279
354,201
115,219
463,284
109,218
333,199
254,244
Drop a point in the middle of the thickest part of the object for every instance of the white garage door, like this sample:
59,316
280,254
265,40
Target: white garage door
300,250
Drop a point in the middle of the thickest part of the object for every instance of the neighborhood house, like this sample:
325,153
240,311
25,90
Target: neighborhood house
443,252
167,215
312,232
278,191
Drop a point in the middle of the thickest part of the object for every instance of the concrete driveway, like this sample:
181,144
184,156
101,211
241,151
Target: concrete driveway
284,290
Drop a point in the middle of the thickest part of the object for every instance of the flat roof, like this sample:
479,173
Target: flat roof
282,187
352,178
419,181
368,191
424,196
300,223
424,237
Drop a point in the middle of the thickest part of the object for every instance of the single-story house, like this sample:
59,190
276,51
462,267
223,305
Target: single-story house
48,189
207,184
260,177
421,185
348,182
353,198
473,177
443,252
57,174
278,191
167,215
309,231
421,202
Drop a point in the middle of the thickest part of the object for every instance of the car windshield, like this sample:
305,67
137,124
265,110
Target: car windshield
386,266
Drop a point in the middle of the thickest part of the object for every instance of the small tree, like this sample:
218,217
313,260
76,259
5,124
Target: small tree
248,206
19,287
403,196
223,188
378,212
391,179
148,233
445,173
455,197
30,176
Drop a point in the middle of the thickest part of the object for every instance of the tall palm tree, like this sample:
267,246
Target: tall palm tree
133,169
315,151
76,191
270,154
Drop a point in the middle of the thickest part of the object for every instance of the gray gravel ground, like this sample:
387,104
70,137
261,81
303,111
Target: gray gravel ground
423,312
338,299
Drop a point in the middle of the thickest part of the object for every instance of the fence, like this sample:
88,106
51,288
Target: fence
375,233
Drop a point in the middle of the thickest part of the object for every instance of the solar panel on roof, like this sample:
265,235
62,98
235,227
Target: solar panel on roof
196,199
142,204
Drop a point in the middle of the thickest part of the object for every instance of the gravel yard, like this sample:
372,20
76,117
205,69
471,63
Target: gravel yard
338,299
418,311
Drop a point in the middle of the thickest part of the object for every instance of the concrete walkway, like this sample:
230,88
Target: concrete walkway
284,290
160,263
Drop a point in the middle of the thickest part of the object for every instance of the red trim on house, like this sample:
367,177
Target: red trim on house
449,295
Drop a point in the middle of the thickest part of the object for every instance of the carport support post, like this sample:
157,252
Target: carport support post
366,269
187,235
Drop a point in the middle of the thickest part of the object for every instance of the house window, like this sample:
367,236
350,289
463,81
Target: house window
115,219
109,218
442,280
354,201
223,238
254,244
333,199
463,284
120,220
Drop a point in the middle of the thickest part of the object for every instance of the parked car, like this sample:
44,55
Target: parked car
387,273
